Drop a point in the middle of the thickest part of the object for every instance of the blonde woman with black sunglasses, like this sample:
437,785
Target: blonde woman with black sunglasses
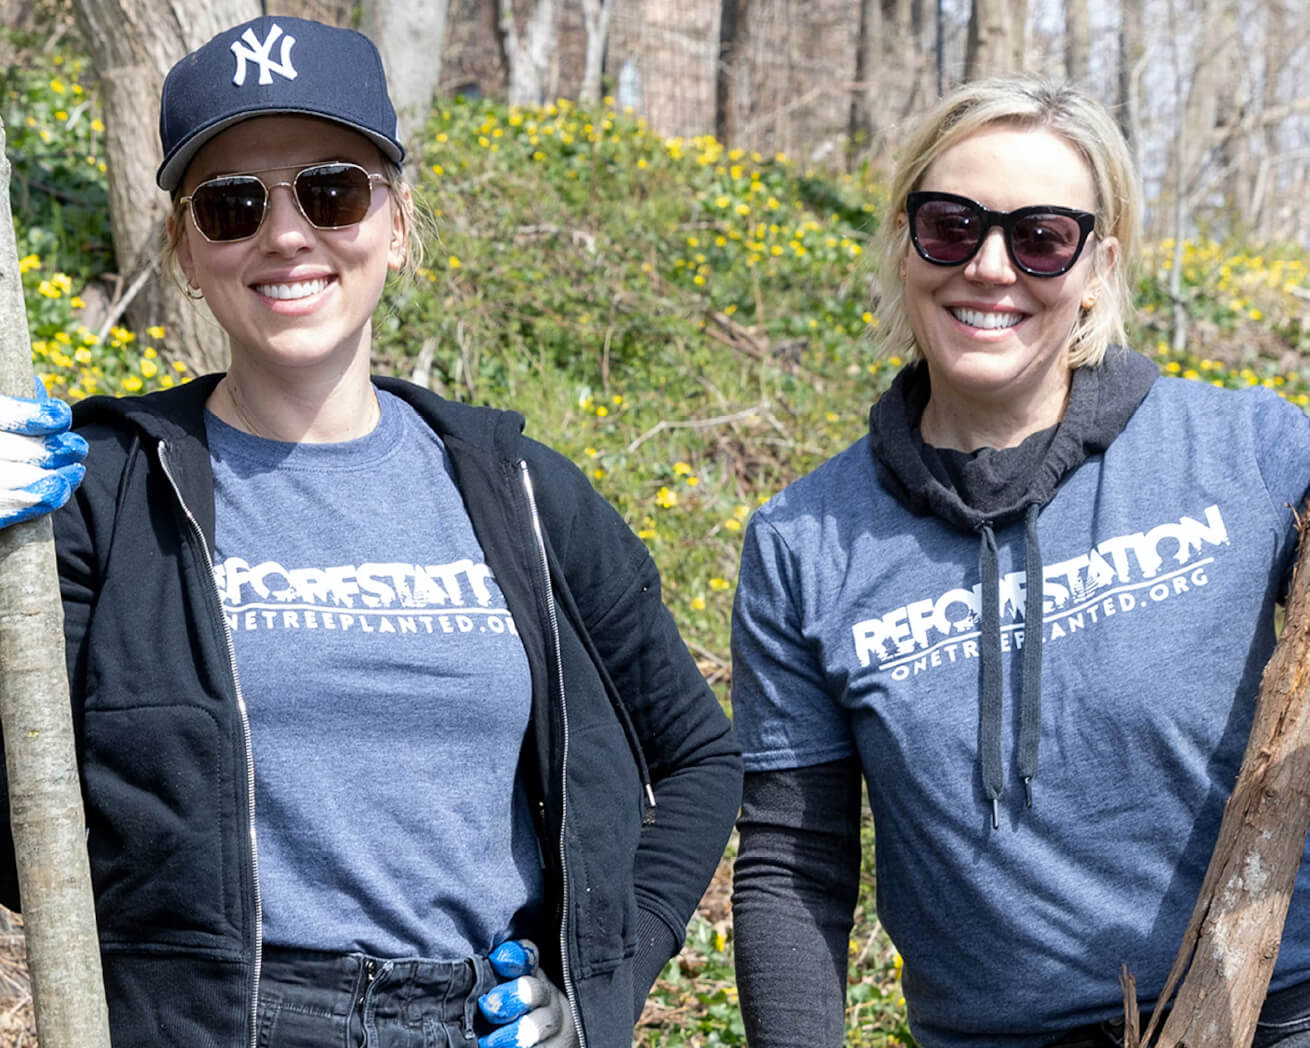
1029,609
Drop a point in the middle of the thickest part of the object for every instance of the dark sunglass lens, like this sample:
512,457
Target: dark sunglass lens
228,208
947,231
1046,243
334,195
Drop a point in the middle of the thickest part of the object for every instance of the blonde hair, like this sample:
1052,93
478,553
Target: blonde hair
1028,103
415,219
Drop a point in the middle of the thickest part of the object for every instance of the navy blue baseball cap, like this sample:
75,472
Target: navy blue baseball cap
274,65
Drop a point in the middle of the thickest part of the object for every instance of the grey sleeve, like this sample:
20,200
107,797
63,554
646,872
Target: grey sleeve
795,884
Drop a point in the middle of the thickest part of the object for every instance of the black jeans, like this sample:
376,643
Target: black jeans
316,1000
1284,1022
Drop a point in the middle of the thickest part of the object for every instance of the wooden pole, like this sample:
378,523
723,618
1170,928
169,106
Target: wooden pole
1231,943
45,800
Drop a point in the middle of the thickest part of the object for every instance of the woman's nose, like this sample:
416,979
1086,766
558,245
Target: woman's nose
992,263
284,227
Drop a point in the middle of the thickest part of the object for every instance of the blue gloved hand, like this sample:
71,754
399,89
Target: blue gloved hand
529,1008
40,460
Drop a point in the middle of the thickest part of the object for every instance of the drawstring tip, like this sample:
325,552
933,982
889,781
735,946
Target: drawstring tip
996,813
1028,789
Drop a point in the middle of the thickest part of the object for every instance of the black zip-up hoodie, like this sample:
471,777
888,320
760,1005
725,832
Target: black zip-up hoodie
634,768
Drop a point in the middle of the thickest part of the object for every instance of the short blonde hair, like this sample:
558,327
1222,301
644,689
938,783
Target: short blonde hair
1029,103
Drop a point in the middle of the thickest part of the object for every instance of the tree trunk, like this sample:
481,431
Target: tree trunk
528,50
1231,942
1132,48
133,44
45,801
732,16
995,42
596,20
868,35
1077,42
411,38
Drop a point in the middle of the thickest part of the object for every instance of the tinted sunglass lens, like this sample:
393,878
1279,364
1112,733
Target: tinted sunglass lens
228,208
334,195
1045,243
946,231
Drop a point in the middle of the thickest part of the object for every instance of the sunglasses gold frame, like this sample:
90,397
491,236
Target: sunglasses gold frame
373,179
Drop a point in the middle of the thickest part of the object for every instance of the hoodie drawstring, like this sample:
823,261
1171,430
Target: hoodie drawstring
990,760
989,709
1030,694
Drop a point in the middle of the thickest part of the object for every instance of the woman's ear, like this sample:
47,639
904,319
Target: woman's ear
398,248
1107,257
183,254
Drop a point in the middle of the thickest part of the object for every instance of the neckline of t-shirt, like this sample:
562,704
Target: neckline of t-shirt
364,452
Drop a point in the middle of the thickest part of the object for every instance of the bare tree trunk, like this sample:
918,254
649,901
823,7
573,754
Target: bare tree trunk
1277,52
1077,42
1132,48
596,16
133,44
1231,942
45,800
995,38
868,34
528,50
410,37
732,16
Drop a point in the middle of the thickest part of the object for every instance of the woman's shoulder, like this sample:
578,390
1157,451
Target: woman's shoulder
1263,408
850,473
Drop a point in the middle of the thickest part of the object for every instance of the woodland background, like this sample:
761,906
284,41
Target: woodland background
653,217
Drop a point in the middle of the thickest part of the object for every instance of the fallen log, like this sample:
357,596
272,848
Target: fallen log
1231,942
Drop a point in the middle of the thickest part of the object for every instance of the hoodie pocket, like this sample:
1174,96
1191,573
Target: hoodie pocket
154,813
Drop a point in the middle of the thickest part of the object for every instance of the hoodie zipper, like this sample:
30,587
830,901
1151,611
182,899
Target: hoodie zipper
253,1023
542,561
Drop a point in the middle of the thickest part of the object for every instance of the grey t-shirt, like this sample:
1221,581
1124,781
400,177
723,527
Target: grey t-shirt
387,689
856,633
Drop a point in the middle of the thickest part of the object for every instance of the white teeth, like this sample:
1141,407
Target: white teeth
990,321
302,289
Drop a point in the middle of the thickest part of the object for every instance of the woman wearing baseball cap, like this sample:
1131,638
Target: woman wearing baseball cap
373,692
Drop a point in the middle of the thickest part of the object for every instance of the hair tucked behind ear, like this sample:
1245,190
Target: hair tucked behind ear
1027,103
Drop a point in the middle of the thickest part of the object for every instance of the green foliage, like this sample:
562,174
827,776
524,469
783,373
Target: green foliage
690,324
54,139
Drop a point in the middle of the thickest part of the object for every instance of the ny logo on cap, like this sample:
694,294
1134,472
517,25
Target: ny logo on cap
253,50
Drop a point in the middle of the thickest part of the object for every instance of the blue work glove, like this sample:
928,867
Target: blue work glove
40,460
529,1008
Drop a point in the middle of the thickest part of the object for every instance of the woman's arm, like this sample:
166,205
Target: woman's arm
795,884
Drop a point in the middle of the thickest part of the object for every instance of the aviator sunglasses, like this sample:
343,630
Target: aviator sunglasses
330,196
1043,241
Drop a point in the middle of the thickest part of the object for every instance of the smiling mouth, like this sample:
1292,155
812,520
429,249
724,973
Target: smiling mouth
299,289
987,321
